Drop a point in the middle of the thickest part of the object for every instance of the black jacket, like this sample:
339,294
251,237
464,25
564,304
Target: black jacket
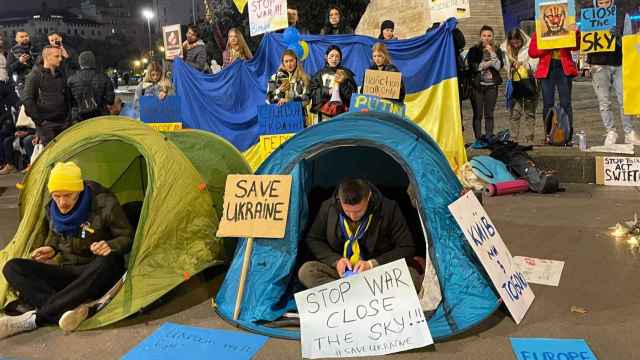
387,239
89,82
108,221
613,58
340,30
46,96
14,66
474,58
393,68
320,87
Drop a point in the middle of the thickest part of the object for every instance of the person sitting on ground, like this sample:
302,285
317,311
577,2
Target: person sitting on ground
154,84
357,229
92,90
387,29
336,24
194,50
82,257
382,62
18,145
290,83
332,87
236,48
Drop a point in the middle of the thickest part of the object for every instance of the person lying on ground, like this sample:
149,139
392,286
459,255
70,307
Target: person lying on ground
82,256
356,230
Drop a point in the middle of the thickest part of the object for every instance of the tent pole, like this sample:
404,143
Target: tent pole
243,277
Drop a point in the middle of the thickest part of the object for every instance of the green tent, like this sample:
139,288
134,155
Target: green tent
162,176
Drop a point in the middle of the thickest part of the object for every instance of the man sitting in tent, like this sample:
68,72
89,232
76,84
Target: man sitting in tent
88,234
355,231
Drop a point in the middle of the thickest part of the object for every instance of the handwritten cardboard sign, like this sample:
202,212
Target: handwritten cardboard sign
595,19
172,341
542,349
597,41
375,312
554,21
539,271
494,255
255,206
172,38
154,110
442,10
284,119
618,171
384,84
166,127
267,15
369,103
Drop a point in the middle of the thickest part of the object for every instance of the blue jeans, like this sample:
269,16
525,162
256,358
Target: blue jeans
556,80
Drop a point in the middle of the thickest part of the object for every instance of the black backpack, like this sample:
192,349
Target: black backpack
86,101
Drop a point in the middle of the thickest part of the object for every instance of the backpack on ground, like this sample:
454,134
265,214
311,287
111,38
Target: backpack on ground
560,126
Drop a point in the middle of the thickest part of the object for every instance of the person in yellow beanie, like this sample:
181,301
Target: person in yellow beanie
82,257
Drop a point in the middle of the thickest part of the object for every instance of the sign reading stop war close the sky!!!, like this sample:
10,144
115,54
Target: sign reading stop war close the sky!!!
384,84
255,206
376,312
494,255
267,15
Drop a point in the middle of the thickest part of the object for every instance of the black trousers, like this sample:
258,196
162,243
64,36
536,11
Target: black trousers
48,131
55,289
483,101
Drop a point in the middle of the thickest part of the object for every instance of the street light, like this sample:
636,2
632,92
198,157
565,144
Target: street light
145,61
148,14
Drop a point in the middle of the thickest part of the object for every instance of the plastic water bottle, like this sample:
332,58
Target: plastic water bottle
581,139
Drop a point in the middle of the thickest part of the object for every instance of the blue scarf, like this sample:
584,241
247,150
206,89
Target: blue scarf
70,224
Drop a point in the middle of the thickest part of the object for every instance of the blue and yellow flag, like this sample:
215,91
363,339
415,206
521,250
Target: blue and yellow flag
226,103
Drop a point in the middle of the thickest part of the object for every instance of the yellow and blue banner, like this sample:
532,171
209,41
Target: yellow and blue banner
227,103
555,24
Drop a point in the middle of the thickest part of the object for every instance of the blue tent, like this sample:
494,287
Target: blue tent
391,153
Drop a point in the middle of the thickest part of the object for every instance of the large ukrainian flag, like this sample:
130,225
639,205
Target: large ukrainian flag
226,103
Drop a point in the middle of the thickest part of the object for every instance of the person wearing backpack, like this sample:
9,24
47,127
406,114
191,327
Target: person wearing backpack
485,60
520,68
92,91
556,70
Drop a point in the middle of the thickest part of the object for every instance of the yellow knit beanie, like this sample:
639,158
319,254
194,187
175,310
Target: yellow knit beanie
66,177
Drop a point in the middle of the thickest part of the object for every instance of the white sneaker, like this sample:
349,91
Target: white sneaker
612,137
12,325
70,320
632,138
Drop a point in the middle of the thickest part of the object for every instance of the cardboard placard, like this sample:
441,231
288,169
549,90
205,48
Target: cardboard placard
267,15
384,84
367,103
283,119
166,127
173,341
441,10
542,349
154,110
554,19
269,143
540,271
618,171
255,206
597,41
595,19
375,312
494,255
172,38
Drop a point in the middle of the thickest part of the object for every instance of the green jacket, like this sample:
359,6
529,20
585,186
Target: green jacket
107,219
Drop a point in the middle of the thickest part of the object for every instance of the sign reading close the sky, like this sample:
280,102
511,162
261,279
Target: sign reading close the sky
375,312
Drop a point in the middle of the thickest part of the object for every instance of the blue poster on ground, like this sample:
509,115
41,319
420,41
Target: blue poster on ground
174,341
545,349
